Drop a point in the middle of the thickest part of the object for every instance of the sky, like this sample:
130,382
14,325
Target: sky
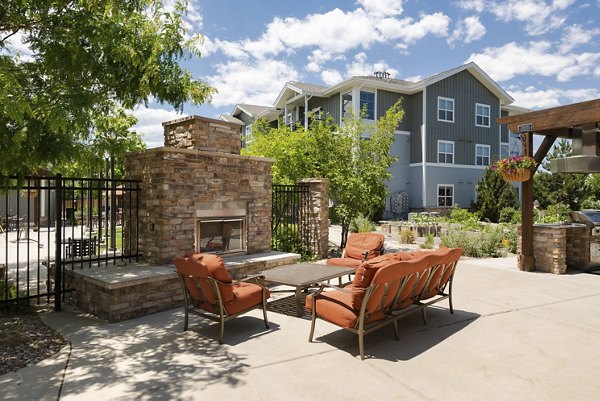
544,53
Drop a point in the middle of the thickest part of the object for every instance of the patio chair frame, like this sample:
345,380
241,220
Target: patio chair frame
190,305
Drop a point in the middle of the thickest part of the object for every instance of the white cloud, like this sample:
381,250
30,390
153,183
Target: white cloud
467,31
316,60
250,81
471,5
16,45
533,58
408,31
382,7
574,36
533,98
150,124
331,77
360,66
537,16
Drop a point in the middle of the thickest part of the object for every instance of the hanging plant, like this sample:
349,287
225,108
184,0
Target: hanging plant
516,168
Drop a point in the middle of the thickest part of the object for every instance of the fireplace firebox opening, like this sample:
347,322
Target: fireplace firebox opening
221,235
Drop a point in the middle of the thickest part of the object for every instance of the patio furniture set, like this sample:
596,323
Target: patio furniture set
385,288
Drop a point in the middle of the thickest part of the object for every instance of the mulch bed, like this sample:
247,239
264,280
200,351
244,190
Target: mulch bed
25,340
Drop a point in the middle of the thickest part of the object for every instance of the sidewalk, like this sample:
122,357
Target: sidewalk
514,335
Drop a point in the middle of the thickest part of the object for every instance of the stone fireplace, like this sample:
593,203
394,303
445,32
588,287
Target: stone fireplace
199,194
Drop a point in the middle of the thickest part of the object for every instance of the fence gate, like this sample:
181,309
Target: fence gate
51,224
290,227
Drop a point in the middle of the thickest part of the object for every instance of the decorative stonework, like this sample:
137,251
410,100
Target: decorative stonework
201,133
318,226
176,182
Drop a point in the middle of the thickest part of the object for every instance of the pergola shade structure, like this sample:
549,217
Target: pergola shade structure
579,122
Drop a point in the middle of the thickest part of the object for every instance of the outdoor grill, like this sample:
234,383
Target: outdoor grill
591,218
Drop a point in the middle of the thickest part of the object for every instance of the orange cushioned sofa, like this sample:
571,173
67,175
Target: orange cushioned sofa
385,289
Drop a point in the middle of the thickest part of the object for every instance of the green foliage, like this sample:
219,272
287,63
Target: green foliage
287,239
8,287
85,58
361,224
510,233
590,203
406,236
510,215
514,163
428,244
552,188
468,220
355,157
553,214
487,243
493,195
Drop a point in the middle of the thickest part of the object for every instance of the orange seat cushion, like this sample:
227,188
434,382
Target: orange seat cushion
336,307
245,296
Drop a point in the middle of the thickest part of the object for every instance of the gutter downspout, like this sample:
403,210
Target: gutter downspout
306,99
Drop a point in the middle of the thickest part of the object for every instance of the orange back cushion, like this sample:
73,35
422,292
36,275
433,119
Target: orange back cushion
199,266
358,243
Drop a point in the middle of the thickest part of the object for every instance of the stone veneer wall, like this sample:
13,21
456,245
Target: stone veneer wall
176,181
556,247
203,133
318,225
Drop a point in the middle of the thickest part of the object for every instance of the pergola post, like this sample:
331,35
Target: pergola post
526,259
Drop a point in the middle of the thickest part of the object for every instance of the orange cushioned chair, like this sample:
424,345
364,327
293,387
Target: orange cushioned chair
359,247
210,292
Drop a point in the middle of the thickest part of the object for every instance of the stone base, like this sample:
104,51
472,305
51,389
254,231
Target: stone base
117,293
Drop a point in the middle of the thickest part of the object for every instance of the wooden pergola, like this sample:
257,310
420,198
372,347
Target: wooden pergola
559,122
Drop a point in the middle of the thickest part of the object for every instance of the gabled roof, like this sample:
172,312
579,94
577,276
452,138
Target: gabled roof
293,88
253,110
231,119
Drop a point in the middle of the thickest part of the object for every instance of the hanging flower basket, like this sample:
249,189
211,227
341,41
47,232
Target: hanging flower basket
517,168
520,175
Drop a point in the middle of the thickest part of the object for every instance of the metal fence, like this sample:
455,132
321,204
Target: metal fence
291,219
49,224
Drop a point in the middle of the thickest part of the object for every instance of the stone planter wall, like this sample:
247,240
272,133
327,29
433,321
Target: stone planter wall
201,133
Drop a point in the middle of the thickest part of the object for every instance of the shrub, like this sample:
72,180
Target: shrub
361,224
510,234
406,236
553,214
487,243
468,220
510,215
287,239
428,244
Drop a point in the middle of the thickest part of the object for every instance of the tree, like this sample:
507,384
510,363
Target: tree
493,195
554,188
111,139
354,157
86,56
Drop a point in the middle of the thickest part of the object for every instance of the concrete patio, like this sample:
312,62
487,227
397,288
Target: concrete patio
514,335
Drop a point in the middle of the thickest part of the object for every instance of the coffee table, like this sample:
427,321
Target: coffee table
304,275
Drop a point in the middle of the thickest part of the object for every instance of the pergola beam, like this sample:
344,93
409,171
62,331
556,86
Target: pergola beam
562,117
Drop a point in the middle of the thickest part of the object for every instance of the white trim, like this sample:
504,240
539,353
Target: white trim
437,195
437,153
483,145
423,152
489,116
438,109
447,166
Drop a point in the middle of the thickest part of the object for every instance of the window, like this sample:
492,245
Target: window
367,103
445,109
445,195
482,155
504,150
445,152
346,105
248,134
482,115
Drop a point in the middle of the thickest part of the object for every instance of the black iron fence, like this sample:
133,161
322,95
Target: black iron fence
291,219
49,224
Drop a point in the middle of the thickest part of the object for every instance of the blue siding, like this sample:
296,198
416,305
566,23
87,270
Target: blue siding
466,91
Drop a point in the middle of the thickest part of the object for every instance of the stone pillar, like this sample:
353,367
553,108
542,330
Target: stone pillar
318,215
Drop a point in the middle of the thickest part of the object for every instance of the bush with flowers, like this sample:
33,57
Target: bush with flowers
510,164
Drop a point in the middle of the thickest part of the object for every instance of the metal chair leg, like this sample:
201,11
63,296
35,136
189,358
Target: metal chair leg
396,334
424,315
264,307
222,331
361,344
313,318
185,320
